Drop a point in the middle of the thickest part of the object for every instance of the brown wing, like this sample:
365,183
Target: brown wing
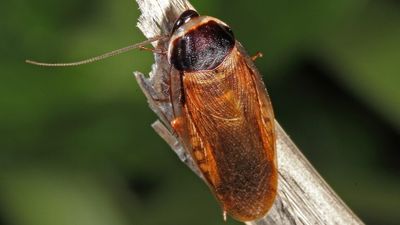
229,120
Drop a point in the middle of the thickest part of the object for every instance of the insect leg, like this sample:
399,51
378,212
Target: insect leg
156,51
256,56
176,99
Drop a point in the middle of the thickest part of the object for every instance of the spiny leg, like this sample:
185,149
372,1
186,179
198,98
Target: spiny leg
156,51
256,56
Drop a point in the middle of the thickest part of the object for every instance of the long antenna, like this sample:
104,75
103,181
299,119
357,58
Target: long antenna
100,57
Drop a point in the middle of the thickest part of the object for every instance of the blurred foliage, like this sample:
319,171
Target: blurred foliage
77,148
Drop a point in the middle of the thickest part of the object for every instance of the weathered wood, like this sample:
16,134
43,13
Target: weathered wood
303,196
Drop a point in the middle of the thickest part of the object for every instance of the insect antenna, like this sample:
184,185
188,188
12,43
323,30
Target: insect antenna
100,57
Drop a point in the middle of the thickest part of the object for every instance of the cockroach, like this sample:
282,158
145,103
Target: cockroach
222,113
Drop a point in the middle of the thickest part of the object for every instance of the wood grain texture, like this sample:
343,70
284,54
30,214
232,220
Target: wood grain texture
303,196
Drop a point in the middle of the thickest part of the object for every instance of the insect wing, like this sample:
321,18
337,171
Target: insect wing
229,119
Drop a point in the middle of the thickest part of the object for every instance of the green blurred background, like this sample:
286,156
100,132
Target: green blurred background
76,146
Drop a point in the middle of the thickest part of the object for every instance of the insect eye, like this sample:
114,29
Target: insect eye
184,18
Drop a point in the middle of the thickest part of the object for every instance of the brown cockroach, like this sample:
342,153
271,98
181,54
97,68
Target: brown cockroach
222,113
